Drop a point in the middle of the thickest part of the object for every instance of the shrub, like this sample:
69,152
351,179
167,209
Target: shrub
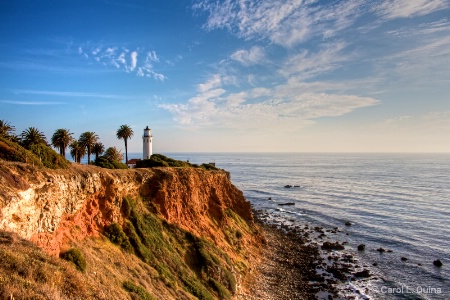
104,162
12,151
140,291
159,160
49,157
220,289
116,235
75,256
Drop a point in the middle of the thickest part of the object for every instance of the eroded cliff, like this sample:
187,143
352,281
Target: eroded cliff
56,209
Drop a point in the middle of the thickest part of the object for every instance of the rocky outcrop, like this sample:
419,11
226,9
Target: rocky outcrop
52,207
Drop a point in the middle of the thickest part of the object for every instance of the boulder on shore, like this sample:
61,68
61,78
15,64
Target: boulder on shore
332,246
361,247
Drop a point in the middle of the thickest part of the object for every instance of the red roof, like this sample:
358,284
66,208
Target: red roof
133,161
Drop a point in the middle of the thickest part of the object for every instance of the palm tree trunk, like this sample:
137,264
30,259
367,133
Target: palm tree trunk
89,155
126,151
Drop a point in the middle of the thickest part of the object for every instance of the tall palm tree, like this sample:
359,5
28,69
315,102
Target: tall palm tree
6,129
113,154
61,139
32,136
98,149
88,139
77,151
125,132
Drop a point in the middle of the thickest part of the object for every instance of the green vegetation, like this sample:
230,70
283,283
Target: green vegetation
32,136
180,258
159,160
116,235
61,139
7,130
98,149
49,157
125,132
12,151
111,159
26,272
77,151
138,290
88,140
75,256
37,154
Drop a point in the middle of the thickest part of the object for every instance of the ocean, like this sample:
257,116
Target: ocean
399,202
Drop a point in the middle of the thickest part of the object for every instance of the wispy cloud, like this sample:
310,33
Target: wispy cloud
284,22
134,56
392,9
124,59
17,102
254,108
70,94
249,57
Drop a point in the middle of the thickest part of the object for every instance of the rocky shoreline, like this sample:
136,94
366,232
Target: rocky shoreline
288,266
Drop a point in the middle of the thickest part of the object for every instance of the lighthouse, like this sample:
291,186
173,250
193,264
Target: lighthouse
147,143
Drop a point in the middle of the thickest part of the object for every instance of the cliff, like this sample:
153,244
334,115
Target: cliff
194,210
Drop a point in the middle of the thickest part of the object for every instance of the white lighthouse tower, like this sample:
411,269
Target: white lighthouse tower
147,143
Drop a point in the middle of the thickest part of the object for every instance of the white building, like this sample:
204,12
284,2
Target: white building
147,143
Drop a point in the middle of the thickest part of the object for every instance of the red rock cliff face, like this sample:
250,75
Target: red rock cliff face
52,207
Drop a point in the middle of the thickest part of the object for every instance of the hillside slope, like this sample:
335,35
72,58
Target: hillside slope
162,233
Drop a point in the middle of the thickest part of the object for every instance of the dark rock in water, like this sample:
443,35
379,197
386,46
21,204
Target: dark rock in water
375,264
296,186
337,273
287,203
288,186
419,264
361,247
348,223
364,273
437,263
332,246
381,250
270,198
404,259
389,251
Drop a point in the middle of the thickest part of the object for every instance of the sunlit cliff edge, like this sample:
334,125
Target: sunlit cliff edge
202,246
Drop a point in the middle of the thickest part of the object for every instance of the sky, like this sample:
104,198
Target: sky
232,75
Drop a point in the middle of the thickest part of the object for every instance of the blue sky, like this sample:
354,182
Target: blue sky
247,75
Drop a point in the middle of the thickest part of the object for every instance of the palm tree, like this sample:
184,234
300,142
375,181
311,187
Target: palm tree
113,154
88,139
32,136
6,129
125,132
98,149
61,139
77,151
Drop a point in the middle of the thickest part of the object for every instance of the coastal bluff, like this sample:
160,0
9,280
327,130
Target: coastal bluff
52,207
157,233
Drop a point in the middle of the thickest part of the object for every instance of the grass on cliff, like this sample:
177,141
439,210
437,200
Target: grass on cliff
26,272
159,160
39,155
182,259
144,258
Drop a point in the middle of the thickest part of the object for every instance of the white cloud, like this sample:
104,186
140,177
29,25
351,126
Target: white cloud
309,65
284,22
214,82
133,56
151,56
392,9
16,102
255,108
249,57
125,59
